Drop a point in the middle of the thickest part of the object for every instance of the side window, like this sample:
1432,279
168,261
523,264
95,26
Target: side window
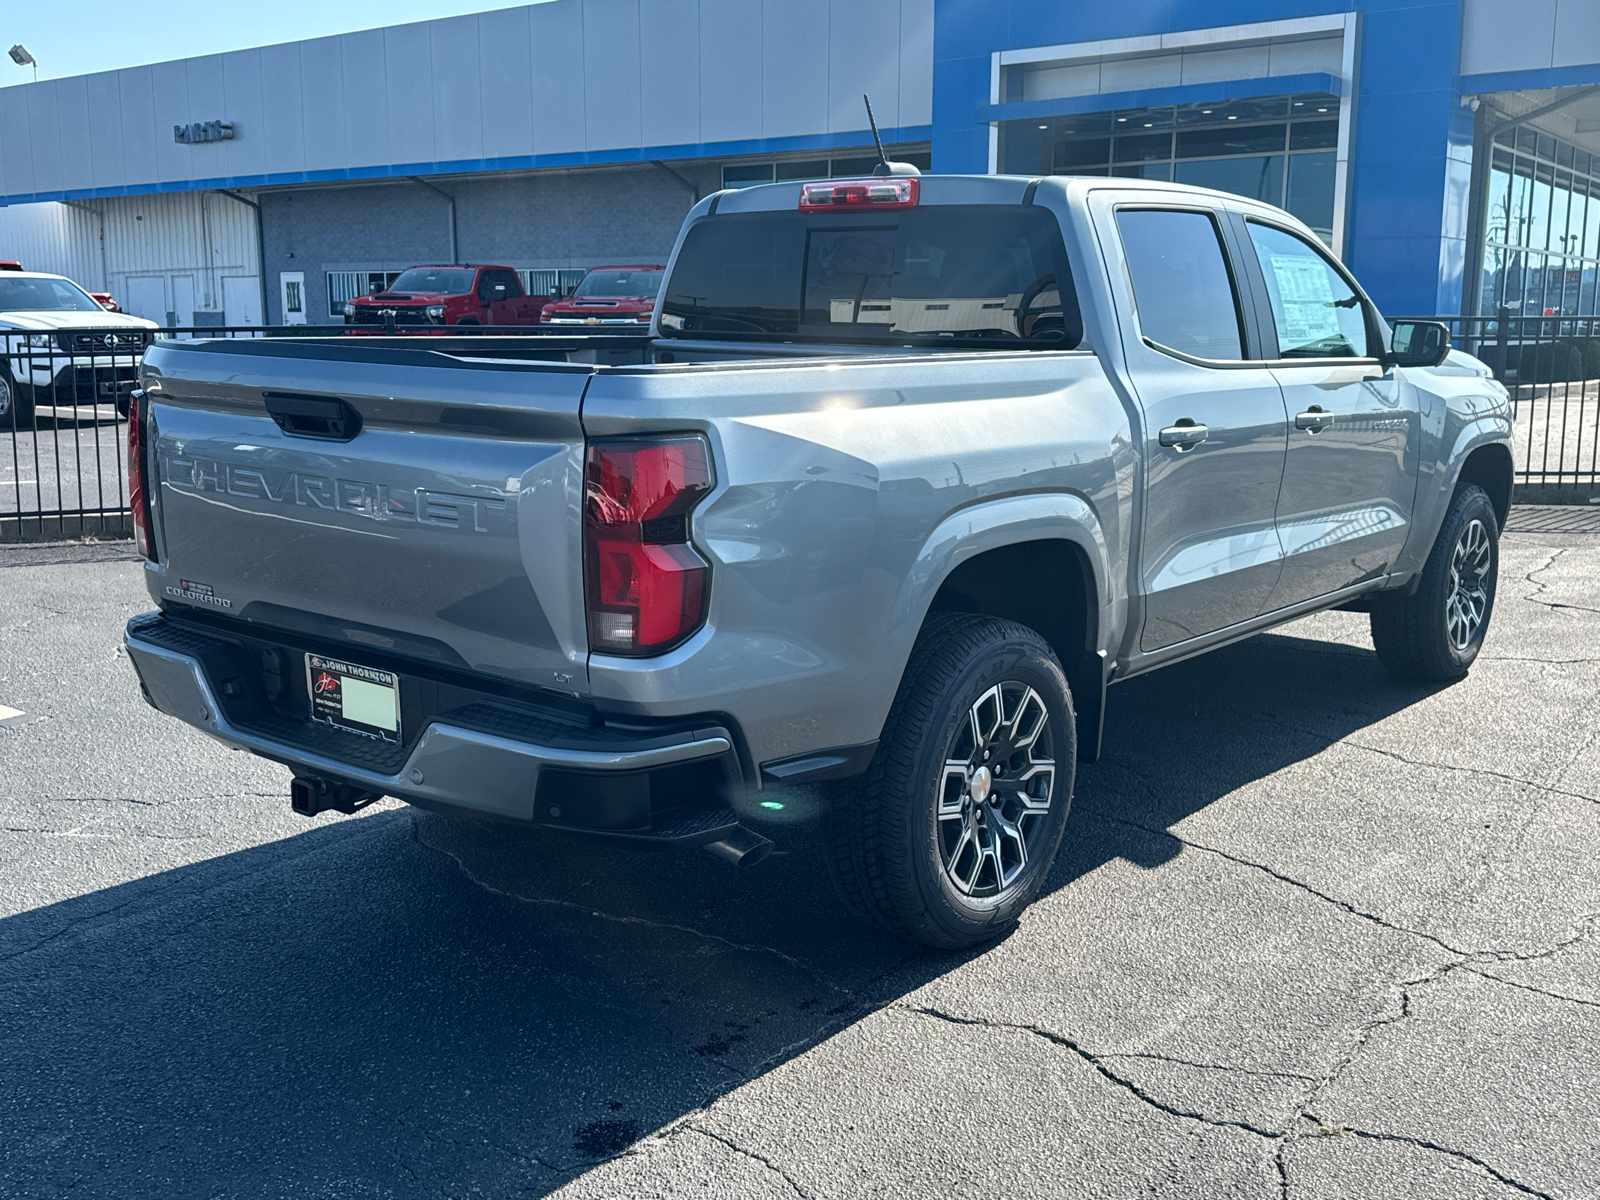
1181,284
1317,314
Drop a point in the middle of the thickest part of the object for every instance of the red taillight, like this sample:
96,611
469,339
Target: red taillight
895,191
141,530
644,584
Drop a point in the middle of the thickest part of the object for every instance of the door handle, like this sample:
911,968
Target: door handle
1313,420
1185,435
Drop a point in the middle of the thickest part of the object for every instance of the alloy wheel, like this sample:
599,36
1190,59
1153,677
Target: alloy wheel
1467,600
5,398
995,790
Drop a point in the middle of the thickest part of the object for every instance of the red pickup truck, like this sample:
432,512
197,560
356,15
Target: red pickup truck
464,294
609,296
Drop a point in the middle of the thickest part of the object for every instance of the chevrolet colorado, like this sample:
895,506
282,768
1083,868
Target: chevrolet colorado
905,472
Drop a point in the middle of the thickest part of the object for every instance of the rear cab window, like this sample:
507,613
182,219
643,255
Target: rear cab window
960,275
1182,289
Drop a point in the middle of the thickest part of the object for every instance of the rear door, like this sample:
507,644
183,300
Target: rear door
1354,429
1214,425
442,524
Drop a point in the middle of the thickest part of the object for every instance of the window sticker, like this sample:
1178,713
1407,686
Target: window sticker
1305,295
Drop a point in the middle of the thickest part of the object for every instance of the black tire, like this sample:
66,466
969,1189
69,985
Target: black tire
1436,632
888,847
16,404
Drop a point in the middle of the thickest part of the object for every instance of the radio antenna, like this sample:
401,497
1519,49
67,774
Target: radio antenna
883,159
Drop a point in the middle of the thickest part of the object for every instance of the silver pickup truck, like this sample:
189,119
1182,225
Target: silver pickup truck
905,473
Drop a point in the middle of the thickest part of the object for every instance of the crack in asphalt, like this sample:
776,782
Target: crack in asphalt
1426,764
1541,587
621,918
1425,1144
754,1156
1528,987
1200,1066
1094,1060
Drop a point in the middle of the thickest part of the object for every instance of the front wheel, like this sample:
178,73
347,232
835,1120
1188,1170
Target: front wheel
1436,632
951,832
16,404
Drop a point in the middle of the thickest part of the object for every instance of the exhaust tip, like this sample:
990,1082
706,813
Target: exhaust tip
742,848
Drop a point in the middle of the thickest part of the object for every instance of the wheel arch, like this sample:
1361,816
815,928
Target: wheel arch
1039,561
1490,467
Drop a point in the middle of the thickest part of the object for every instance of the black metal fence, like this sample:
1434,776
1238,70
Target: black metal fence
1551,367
63,400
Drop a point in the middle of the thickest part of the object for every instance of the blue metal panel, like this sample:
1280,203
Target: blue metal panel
136,87
322,87
244,105
916,62
283,122
861,35
77,157
611,74
169,90
556,36
1528,81
365,139
1194,93
105,138
458,81
794,55
16,149
730,75
44,134
506,67
403,102
669,74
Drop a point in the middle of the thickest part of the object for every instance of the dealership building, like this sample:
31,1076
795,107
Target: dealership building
1448,150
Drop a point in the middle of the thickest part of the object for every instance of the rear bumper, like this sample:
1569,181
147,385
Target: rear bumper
604,788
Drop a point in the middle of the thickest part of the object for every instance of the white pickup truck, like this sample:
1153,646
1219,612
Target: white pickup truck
58,346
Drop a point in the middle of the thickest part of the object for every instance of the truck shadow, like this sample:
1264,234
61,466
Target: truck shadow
401,1002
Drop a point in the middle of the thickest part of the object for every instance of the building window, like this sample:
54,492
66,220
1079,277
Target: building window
1279,149
1541,227
554,282
742,175
344,286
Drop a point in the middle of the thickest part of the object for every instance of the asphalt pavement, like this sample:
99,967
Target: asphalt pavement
1314,933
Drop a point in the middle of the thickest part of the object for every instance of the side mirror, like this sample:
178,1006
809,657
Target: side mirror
1418,344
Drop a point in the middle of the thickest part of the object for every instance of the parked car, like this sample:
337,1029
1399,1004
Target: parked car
454,295
62,348
105,301
906,474
615,296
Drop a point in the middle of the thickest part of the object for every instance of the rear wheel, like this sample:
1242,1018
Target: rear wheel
1436,632
952,830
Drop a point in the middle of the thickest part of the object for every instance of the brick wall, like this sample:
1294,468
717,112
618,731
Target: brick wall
538,220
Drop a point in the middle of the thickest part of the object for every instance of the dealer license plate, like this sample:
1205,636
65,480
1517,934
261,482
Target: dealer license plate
361,699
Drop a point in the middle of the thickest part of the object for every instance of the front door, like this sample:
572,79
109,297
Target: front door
1214,430
292,293
1354,429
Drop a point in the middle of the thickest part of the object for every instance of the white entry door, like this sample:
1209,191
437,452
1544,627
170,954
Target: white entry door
147,297
292,291
241,299
183,300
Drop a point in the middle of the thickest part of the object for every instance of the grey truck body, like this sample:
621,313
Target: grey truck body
856,489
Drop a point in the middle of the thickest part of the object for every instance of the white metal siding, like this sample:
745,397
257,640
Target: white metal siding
1528,35
568,76
55,238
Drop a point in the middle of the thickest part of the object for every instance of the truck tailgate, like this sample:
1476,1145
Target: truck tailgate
448,528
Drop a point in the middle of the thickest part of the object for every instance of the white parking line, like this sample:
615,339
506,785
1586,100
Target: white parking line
8,715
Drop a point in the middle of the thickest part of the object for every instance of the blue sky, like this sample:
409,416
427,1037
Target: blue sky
75,37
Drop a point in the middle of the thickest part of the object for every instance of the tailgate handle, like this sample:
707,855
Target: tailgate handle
313,416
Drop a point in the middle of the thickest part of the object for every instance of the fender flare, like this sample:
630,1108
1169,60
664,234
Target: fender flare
1491,429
